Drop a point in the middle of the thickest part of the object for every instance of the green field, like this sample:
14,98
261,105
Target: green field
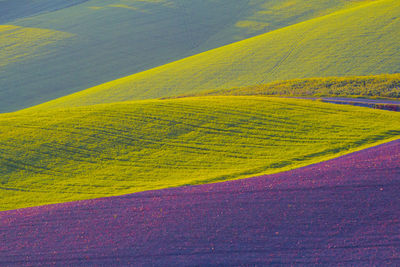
22,43
11,10
103,150
115,38
364,40
374,86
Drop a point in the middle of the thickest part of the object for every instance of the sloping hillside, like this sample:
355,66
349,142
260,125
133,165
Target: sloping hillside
344,212
87,152
358,41
115,38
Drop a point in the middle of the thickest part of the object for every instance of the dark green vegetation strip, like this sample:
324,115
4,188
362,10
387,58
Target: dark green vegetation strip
79,153
378,86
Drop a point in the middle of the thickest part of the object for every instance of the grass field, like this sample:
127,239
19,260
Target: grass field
87,152
115,38
377,86
360,41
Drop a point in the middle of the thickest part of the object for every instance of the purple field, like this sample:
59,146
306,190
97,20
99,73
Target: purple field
392,105
343,212
385,104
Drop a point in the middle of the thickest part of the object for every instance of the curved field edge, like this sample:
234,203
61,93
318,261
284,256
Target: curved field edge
321,47
340,212
113,149
385,86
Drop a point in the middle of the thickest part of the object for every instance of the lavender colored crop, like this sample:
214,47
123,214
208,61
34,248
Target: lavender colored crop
344,211
392,105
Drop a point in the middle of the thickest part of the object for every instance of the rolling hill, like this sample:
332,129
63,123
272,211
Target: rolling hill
78,153
363,40
343,212
149,169
114,38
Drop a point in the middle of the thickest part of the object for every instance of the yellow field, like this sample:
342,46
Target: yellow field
111,149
